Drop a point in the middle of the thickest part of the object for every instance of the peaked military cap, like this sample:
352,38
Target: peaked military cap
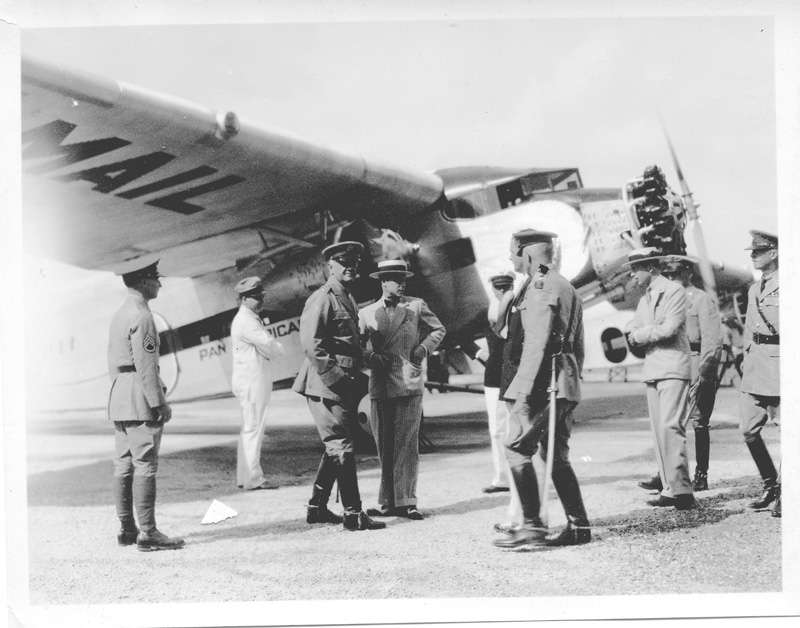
527,237
673,263
762,240
498,281
249,285
646,254
347,249
149,270
391,267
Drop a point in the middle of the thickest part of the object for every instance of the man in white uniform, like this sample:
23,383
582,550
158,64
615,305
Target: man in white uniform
253,350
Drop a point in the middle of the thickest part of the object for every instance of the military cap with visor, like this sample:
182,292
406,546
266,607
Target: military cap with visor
343,251
391,267
250,287
676,263
762,241
526,237
149,270
499,281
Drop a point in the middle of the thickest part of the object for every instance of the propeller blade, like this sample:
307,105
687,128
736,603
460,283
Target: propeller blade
706,272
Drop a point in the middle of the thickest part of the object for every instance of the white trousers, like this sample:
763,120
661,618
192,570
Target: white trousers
254,421
667,400
498,427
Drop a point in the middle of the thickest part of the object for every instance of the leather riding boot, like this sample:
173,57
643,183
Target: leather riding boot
532,531
317,509
767,470
776,509
347,477
123,498
577,531
144,497
702,448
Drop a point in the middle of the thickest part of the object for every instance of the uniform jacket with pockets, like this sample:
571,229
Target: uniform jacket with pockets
660,326
761,366
329,339
412,325
703,328
133,342
551,304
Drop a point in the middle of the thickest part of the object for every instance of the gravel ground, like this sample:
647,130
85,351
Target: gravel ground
269,553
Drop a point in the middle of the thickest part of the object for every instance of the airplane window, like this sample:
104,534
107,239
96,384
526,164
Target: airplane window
462,209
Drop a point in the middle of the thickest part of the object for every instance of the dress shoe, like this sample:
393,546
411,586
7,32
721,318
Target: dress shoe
661,501
155,541
266,485
653,484
767,497
526,535
700,482
685,501
354,521
414,514
495,489
127,535
321,514
381,511
505,528
776,509
575,533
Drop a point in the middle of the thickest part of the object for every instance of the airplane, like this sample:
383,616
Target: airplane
114,175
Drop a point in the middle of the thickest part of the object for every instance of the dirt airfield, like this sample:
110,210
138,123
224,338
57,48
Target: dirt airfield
268,553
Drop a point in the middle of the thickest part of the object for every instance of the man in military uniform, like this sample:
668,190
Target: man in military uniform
660,325
251,381
552,319
138,407
327,378
509,326
760,395
704,331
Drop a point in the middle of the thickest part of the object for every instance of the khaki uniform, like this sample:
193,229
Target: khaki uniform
761,382
135,390
704,332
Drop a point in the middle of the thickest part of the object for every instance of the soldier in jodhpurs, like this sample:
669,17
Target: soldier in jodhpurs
760,395
138,407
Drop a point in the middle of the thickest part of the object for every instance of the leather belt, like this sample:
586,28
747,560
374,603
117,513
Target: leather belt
127,368
766,339
694,346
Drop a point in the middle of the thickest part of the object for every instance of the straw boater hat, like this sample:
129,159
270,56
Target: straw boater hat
393,267
647,254
762,240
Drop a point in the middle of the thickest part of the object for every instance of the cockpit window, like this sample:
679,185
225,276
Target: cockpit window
496,198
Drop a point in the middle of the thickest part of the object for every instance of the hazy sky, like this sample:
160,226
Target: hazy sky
525,92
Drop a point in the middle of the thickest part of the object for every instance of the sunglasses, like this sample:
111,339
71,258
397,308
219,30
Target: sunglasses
346,260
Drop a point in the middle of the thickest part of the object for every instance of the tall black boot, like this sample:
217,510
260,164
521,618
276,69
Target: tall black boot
577,531
150,539
702,447
323,485
532,531
767,470
354,517
123,499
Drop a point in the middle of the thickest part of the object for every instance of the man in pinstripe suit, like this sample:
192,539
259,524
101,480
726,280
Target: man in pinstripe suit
399,333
